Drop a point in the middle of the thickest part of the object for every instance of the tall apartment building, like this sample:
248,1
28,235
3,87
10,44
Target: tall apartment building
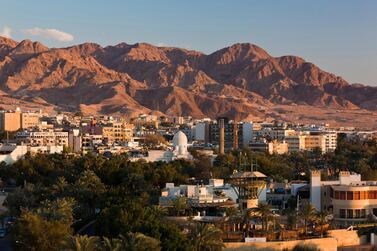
29,120
10,120
331,140
75,140
117,132
304,141
229,135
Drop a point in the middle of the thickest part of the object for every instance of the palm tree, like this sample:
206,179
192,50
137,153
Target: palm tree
60,186
112,244
82,243
159,211
139,242
206,237
231,212
265,214
322,219
180,205
292,219
307,213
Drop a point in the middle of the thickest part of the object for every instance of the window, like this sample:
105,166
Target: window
363,195
371,195
357,213
349,195
342,213
356,195
349,213
363,213
342,195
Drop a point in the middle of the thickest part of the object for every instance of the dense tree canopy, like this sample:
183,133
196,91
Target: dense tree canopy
56,195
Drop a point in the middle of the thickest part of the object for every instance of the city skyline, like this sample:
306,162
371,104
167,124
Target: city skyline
338,36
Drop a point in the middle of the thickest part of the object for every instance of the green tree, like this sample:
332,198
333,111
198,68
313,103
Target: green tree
180,205
265,214
82,243
322,218
114,244
206,237
60,209
33,232
307,214
139,242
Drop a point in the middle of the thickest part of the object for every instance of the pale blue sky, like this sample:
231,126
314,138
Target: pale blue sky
338,35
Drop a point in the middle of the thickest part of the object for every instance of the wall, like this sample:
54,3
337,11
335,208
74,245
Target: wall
325,244
347,238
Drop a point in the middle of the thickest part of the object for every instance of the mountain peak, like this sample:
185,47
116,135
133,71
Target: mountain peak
7,41
28,47
234,81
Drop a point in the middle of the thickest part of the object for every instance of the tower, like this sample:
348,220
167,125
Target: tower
221,136
248,186
235,135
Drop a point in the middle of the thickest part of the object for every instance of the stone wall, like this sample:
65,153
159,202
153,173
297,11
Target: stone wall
325,244
335,239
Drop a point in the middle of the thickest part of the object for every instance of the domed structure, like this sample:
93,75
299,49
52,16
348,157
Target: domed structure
179,139
180,146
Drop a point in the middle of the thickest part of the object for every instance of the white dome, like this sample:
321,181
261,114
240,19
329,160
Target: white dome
179,139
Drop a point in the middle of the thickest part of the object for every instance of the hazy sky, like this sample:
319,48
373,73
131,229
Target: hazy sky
340,36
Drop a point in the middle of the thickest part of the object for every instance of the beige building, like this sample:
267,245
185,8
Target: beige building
272,147
144,120
44,138
117,132
301,141
10,120
14,120
29,120
349,199
276,147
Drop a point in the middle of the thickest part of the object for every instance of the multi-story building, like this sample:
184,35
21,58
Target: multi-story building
295,142
117,132
44,138
331,140
232,137
10,121
90,142
145,120
29,120
305,141
75,140
272,147
348,198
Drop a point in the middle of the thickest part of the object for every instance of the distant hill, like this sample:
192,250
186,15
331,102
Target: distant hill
241,81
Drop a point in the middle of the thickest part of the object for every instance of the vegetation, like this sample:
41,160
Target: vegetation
56,195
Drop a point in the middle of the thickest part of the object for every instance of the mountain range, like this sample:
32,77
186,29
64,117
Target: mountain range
241,81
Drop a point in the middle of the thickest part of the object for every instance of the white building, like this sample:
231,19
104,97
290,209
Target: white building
179,151
11,153
348,198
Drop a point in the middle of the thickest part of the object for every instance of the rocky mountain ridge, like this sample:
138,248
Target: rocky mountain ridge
241,81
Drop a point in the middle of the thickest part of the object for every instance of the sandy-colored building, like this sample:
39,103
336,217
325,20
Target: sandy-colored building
44,138
118,132
349,199
300,141
10,120
29,120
